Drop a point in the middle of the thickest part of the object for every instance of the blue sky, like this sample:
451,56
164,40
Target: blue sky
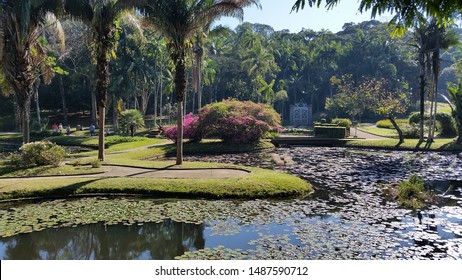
277,14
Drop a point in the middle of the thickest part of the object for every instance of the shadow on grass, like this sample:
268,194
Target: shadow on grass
451,146
58,192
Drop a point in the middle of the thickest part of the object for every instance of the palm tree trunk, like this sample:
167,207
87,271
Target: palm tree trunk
24,110
102,84
63,99
94,108
180,85
37,106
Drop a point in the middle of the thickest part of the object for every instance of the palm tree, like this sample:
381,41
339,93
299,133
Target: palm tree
103,18
23,59
131,120
179,20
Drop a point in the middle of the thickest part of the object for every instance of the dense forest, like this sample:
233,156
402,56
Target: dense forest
252,62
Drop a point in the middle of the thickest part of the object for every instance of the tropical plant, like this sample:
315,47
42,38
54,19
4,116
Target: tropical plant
23,58
455,94
131,120
103,19
179,20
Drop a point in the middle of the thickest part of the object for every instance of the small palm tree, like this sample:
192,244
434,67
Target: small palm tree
23,59
179,20
131,120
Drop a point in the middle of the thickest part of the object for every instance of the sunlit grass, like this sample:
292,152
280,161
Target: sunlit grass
438,144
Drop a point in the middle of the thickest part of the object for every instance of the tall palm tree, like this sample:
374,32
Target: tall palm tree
22,58
103,18
179,21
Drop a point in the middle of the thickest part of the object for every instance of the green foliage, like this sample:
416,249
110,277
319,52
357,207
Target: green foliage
447,125
131,120
330,132
39,154
412,193
96,163
342,122
238,122
455,94
410,131
414,118
386,123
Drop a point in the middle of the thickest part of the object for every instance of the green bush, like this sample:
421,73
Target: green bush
414,118
39,154
410,131
387,123
330,132
342,122
445,123
412,193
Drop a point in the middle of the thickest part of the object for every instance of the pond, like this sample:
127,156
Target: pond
346,218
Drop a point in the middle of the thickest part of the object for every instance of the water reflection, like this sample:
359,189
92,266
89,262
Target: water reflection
161,241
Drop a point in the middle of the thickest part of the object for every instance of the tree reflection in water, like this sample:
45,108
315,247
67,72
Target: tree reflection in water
161,241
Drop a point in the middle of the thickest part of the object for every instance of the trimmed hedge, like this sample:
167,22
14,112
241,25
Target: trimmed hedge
447,123
342,122
330,132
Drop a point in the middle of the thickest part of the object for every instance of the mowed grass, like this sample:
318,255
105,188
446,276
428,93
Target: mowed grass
438,144
11,171
385,132
259,183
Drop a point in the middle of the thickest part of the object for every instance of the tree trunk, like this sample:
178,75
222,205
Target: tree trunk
24,112
180,86
94,108
422,99
63,99
179,139
435,74
37,106
101,124
197,73
398,129
102,83
115,114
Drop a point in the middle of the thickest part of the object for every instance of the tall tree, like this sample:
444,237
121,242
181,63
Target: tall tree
22,58
178,20
103,18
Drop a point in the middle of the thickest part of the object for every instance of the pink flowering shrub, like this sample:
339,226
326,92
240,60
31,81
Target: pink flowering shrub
238,122
190,129
233,121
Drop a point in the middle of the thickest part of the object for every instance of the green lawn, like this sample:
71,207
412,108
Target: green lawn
385,132
438,144
260,183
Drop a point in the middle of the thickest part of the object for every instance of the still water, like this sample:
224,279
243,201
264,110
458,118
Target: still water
347,217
